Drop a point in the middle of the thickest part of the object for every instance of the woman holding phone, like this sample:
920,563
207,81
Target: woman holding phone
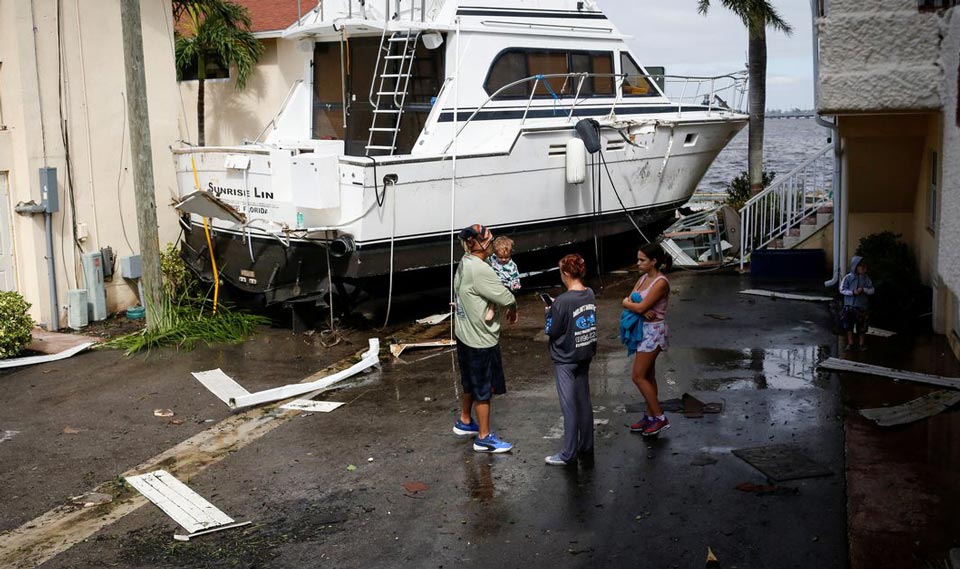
572,329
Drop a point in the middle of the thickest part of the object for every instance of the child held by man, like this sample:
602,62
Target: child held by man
505,267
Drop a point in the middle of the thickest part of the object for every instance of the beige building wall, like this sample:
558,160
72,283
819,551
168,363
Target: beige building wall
234,116
947,312
73,68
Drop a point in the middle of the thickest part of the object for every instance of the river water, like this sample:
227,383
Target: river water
786,144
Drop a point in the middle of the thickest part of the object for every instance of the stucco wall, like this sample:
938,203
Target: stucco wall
233,116
948,258
94,112
878,56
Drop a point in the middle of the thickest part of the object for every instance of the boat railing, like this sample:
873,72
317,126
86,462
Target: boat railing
393,10
706,91
782,206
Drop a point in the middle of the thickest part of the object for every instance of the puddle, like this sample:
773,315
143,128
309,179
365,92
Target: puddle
714,369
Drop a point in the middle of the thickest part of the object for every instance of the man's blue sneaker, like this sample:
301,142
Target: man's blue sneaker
491,443
466,430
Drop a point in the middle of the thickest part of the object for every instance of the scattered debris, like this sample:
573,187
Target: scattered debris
434,320
309,406
70,431
838,364
879,332
234,395
32,360
718,316
712,561
351,467
414,487
91,499
693,408
782,462
397,349
703,460
7,435
767,489
163,413
786,295
185,506
915,410
176,422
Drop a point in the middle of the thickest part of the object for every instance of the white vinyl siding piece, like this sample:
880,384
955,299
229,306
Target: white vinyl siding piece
234,395
311,406
837,364
178,501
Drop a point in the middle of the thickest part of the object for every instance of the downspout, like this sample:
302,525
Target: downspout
839,216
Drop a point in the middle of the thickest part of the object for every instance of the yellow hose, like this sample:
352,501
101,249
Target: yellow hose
206,230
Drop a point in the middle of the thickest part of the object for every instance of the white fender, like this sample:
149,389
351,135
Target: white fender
576,161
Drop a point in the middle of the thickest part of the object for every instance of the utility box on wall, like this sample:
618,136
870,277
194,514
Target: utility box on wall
96,293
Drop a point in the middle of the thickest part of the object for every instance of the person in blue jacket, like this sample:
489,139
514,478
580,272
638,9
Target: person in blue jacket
856,288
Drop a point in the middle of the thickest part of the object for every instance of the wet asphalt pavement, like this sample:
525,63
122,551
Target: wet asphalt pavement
643,502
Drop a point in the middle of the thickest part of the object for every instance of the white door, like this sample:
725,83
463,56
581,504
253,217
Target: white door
8,278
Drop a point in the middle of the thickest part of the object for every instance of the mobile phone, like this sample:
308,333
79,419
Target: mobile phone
546,298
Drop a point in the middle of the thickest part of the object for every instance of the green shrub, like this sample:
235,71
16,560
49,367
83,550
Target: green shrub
738,190
900,296
178,280
15,324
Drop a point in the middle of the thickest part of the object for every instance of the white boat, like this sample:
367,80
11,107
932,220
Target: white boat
416,119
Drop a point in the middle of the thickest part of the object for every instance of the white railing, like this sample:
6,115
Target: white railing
565,91
772,213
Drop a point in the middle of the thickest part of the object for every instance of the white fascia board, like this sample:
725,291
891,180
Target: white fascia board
368,359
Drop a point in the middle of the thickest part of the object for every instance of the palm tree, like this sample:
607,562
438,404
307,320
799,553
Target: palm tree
215,30
756,16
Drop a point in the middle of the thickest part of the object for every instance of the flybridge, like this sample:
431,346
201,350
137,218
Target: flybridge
238,192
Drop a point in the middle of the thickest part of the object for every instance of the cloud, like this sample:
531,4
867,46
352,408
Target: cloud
671,33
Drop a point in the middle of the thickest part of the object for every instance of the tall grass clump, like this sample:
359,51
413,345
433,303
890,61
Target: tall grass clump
187,314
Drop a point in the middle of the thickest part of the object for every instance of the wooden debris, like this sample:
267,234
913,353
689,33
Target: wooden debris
837,364
915,410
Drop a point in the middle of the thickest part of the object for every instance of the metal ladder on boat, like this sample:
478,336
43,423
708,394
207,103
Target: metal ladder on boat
395,64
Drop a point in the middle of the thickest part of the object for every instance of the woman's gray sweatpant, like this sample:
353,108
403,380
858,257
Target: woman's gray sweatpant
573,387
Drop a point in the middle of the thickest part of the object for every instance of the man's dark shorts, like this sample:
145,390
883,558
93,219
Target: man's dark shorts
481,371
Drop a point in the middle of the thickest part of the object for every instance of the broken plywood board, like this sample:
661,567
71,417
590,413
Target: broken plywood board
434,320
234,395
309,406
786,295
782,462
837,364
178,501
51,343
397,349
880,332
915,410
33,360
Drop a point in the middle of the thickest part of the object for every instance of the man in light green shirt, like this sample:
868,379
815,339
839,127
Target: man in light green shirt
477,287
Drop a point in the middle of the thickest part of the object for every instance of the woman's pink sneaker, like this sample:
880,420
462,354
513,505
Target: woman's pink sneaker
655,426
640,425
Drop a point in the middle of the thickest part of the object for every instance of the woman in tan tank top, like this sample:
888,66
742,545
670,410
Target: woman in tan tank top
654,289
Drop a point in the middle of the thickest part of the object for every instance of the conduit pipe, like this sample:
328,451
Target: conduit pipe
839,188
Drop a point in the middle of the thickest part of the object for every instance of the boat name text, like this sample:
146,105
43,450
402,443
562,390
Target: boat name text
238,192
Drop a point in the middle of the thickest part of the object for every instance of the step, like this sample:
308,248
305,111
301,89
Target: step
790,241
793,232
809,220
398,57
383,129
825,209
378,147
402,38
387,111
824,218
806,231
395,75
389,92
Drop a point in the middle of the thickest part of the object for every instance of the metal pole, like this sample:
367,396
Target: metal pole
138,117
54,324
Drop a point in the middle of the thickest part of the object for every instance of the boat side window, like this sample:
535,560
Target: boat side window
515,64
327,92
635,80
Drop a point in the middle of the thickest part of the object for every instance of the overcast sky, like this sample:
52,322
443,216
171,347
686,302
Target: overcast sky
672,34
